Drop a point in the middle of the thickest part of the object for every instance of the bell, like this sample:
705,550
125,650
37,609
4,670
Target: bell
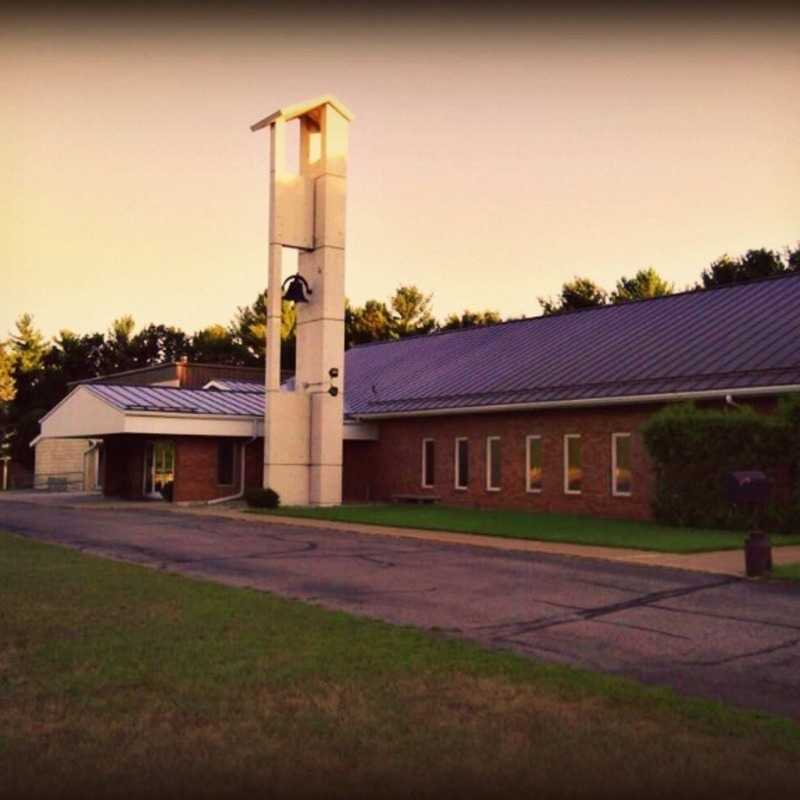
294,289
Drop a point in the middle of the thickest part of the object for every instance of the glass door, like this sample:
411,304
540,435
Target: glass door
159,468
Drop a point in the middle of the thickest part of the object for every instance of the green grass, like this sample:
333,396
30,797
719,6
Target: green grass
116,680
789,572
572,529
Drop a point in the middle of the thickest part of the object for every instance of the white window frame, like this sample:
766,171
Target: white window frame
528,439
567,490
425,462
489,487
615,437
458,487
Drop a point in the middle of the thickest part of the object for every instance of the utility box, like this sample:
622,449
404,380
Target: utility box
748,488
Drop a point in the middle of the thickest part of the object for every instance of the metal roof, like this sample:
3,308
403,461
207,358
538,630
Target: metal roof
224,385
735,337
166,399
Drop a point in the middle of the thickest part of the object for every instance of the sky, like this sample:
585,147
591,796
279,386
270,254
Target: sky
493,154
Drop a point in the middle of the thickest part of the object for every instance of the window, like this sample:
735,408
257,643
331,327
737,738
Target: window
428,452
573,464
493,463
225,458
533,457
621,474
462,463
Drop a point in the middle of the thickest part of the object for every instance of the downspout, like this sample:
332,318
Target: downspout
241,491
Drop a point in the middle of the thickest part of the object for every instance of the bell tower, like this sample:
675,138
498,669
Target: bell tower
303,428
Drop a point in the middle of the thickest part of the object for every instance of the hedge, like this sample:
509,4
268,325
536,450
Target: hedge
694,450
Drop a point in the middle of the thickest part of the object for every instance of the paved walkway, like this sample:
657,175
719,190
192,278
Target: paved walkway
723,562
711,635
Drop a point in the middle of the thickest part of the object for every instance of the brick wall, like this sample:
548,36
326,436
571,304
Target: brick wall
196,468
393,465
396,466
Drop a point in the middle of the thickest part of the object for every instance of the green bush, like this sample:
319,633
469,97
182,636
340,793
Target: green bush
262,498
694,450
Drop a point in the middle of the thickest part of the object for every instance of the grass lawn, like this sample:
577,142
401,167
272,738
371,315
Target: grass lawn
543,527
117,680
790,572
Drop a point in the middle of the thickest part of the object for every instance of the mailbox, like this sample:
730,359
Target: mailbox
748,488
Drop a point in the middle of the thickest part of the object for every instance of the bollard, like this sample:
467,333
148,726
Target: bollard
757,555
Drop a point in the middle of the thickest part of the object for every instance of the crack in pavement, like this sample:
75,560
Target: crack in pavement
739,656
590,614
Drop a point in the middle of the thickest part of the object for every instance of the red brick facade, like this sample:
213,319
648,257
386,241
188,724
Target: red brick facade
379,470
195,467
393,465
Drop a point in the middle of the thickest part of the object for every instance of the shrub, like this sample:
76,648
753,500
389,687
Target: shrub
694,450
262,498
168,490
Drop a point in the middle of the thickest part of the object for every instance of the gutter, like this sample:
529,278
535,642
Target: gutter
240,493
720,394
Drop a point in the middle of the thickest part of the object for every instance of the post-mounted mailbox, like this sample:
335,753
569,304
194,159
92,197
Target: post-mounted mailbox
748,488
752,488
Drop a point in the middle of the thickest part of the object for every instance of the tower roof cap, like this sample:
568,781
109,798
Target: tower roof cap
303,109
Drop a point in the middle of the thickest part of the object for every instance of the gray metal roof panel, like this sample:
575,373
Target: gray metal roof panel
733,337
187,401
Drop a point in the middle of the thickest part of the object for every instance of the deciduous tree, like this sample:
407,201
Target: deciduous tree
411,312
646,283
575,294
471,319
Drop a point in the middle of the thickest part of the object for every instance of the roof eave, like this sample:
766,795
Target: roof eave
585,402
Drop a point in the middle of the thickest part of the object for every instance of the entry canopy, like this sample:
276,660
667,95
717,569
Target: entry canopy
309,108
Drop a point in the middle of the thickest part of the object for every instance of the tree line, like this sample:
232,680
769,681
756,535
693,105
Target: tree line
35,373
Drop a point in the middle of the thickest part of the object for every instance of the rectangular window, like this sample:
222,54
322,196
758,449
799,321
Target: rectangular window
573,464
462,463
533,480
493,464
225,458
428,452
621,473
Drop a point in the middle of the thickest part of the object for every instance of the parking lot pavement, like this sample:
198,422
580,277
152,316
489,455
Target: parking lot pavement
711,635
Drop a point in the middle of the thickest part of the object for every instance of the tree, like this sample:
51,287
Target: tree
249,330
753,264
371,322
118,353
158,344
28,350
27,345
793,258
7,388
646,283
411,312
471,319
214,345
575,294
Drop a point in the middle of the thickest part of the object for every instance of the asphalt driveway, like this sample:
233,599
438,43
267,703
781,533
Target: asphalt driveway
708,635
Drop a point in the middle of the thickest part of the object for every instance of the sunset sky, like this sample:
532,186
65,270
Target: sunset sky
491,158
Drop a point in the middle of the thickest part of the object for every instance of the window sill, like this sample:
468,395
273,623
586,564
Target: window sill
494,489
533,491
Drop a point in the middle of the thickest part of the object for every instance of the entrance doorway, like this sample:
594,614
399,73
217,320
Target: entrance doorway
159,468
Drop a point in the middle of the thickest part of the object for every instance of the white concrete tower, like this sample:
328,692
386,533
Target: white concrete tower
303,428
